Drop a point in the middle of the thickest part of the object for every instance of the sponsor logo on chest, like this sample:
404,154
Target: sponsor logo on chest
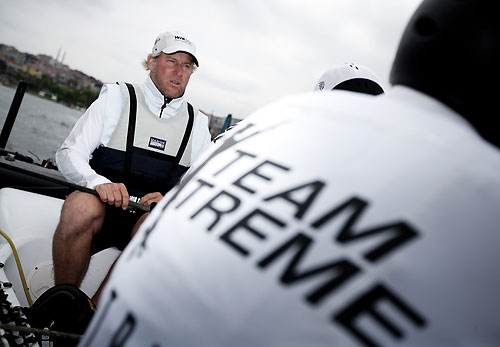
157,143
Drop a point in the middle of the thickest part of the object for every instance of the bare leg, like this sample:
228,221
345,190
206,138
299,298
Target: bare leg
82,216
95,298
138,224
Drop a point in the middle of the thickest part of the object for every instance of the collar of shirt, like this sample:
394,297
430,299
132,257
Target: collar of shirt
155,99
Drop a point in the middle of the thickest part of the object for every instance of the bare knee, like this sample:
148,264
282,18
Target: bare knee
81,213
139,223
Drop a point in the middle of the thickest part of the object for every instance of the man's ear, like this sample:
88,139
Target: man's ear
151,62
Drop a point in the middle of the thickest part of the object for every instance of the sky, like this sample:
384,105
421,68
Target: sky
251,52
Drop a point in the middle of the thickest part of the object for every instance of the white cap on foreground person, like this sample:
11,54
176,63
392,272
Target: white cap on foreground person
350,77
379,228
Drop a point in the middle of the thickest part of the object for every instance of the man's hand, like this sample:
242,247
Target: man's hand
148,199
113,194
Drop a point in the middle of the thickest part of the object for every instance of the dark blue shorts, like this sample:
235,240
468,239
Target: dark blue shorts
116,229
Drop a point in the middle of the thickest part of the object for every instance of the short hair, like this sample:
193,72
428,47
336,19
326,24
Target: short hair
155,56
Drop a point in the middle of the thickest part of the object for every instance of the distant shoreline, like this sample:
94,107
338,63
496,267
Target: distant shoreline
41,96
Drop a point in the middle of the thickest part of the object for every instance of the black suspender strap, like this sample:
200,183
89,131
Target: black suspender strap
131,132
185,139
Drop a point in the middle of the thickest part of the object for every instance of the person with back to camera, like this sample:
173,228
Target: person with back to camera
133,141
390,240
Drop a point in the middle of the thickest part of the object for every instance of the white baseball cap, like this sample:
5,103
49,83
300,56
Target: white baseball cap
173,42
333,77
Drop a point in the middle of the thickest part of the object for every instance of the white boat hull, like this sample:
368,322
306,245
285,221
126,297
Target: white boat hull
30,220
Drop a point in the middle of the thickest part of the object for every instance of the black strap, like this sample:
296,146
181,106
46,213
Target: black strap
185,139
131,132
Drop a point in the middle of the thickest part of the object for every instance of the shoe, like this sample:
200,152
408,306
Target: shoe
63,308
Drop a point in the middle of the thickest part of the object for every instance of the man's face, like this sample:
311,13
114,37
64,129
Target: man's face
171,72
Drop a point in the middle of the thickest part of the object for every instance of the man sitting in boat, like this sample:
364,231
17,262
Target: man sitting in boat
134,142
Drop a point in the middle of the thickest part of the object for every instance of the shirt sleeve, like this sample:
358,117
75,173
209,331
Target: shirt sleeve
76,151
201,139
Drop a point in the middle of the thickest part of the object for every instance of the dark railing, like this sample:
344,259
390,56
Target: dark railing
11,116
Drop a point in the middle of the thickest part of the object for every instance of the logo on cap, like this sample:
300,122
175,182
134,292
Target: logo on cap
180,38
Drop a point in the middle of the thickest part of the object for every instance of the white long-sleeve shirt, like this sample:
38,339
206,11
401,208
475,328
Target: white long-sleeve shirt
97,124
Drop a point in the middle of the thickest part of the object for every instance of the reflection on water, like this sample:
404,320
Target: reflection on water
41,125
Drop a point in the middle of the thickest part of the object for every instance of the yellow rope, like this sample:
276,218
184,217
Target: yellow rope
19,267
